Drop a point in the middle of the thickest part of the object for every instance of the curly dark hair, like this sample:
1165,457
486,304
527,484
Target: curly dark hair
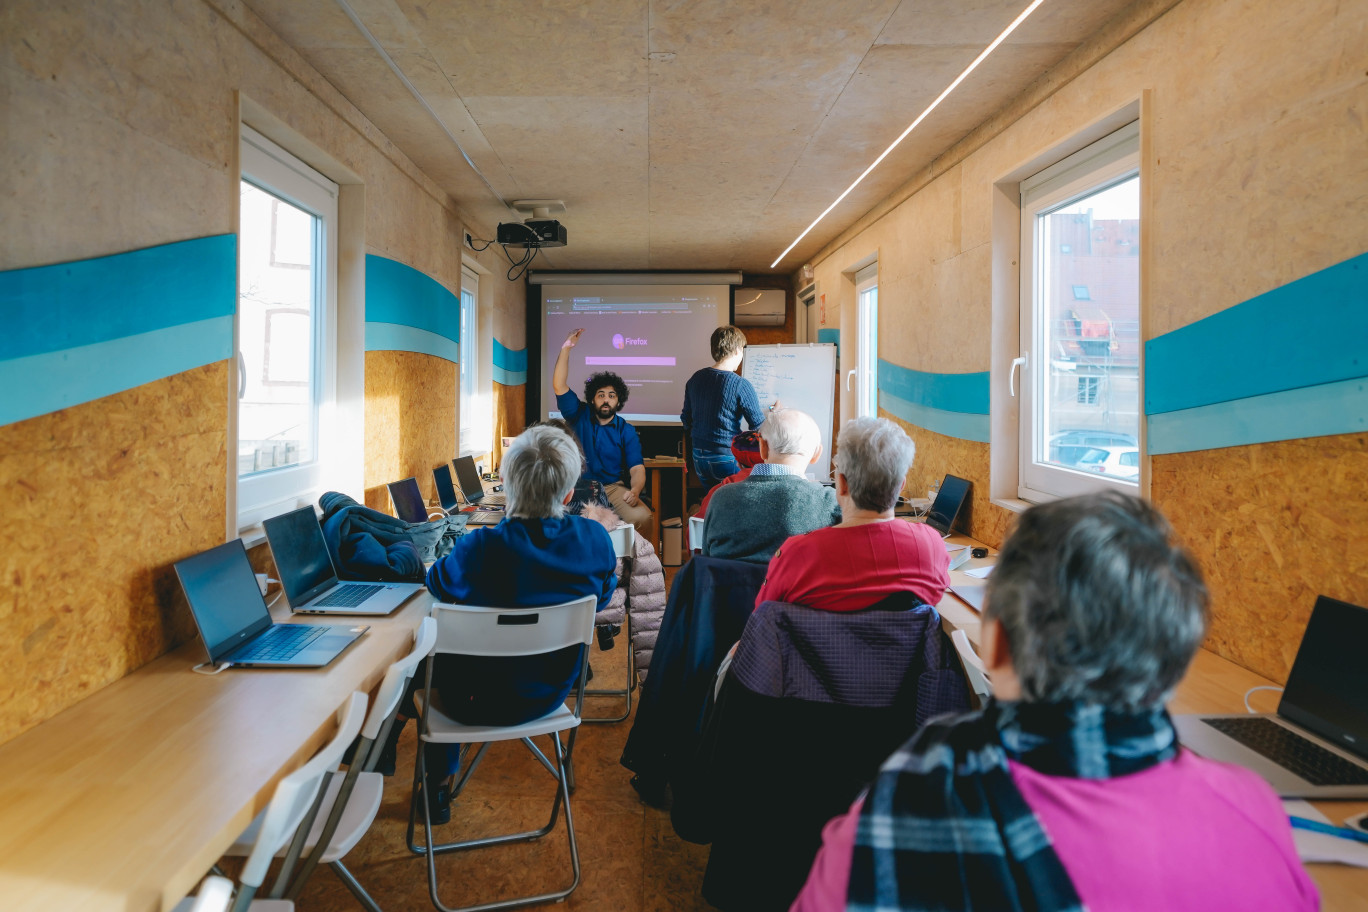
599,381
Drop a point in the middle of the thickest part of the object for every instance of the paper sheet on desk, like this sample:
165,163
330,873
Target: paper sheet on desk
1322,847
974,595
980,572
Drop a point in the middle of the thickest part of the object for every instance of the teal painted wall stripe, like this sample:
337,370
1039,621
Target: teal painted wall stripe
48,309
1313,411
832,337
1308,332
967,393
38,384
394,337
402,295
963,425
511,360
508,377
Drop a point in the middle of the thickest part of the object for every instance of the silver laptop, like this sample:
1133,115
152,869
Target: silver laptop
234,624
446,490
1316,744
307,573
485,509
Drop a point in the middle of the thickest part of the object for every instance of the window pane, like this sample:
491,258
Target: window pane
1088,311
276,310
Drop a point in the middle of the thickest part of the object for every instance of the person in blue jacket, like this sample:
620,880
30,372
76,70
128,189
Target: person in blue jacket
536,556
612,450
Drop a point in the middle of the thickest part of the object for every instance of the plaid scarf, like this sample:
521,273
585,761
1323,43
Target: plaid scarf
945,828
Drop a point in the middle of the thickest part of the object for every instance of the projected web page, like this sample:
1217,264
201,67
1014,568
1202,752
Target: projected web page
653,336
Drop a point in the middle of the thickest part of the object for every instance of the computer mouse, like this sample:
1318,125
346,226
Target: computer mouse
498,488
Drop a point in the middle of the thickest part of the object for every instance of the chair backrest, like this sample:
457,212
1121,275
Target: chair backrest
624,538
407,500
214,895
396,679
696,532
478,630
296,792
974,670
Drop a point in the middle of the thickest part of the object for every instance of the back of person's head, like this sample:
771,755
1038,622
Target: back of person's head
727,341
874,455
539,469
1097,602
605,379
745,448
790,432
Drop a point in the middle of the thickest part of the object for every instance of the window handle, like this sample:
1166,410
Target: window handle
849,374
1023,362
242,375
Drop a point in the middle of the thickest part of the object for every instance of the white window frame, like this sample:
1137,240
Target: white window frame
471,437
867,342
1110,160
275,170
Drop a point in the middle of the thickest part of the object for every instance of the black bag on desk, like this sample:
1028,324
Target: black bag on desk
366,544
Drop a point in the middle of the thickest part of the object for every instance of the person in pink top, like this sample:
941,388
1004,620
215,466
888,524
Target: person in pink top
870,554
1069,790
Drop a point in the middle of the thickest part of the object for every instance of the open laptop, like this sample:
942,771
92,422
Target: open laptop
446,490
306,571
488,508
1316,744
235,625
945,509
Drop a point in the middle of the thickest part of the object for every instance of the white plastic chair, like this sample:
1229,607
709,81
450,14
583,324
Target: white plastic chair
215,893
483,631
293,800
974,670
340,822
624,543
696,532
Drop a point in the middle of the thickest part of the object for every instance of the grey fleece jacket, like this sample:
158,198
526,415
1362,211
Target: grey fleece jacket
750,519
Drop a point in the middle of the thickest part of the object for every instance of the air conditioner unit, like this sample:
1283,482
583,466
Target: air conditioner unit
759,306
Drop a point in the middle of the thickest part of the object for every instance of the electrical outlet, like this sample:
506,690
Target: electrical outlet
469,241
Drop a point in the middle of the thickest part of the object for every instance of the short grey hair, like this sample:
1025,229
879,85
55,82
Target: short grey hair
1098,603
790,432
539,469
874,455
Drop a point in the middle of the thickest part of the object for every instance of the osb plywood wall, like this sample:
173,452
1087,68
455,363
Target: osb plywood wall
410,420
510,415
1273,526
99,501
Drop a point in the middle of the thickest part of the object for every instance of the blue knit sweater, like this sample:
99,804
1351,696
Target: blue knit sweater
715,401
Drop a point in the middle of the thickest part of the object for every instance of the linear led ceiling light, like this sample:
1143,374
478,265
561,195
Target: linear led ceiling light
912,126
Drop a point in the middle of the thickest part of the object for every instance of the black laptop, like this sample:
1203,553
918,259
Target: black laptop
945,509
446,491
235,625
1316,744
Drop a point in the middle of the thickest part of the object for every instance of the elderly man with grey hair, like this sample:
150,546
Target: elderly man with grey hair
1069,790
536,556
871,554
750,519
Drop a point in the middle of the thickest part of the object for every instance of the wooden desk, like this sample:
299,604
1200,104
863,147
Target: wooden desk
1212,685
654,467
123,801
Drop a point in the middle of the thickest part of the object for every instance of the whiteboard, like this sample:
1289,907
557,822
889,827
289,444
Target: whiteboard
801,377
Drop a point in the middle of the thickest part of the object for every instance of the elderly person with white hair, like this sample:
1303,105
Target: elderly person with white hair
870,555
536,556
750,519
1069,790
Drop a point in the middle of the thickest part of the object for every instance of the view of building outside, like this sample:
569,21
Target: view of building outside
276,307
1088,254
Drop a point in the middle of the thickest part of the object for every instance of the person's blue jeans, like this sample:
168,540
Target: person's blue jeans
714,465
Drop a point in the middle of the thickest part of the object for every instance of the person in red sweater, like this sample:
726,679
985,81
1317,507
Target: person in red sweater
870,554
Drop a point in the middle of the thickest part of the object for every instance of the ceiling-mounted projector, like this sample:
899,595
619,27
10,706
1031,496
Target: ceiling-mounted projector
535,232
540,230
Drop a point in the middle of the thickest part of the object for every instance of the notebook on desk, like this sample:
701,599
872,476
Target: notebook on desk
310,580
1316,744
235,625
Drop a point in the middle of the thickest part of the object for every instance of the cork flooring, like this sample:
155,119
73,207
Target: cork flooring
630,858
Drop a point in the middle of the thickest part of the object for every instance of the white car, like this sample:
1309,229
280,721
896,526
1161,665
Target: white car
1120,462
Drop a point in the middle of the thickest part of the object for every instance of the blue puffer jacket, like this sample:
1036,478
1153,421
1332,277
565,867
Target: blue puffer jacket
366,544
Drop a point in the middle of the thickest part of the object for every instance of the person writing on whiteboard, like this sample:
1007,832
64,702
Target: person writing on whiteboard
870,555
612,451
715,400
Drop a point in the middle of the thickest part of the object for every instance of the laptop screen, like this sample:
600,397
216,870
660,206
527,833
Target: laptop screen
947,504
408,500
1327,691
468,478
446,493
300,554
224,599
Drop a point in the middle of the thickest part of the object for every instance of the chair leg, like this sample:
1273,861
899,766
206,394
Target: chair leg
626,691
562,798
352,884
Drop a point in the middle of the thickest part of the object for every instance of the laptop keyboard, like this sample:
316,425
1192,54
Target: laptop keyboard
346,596
494,500
283,641
1290,750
